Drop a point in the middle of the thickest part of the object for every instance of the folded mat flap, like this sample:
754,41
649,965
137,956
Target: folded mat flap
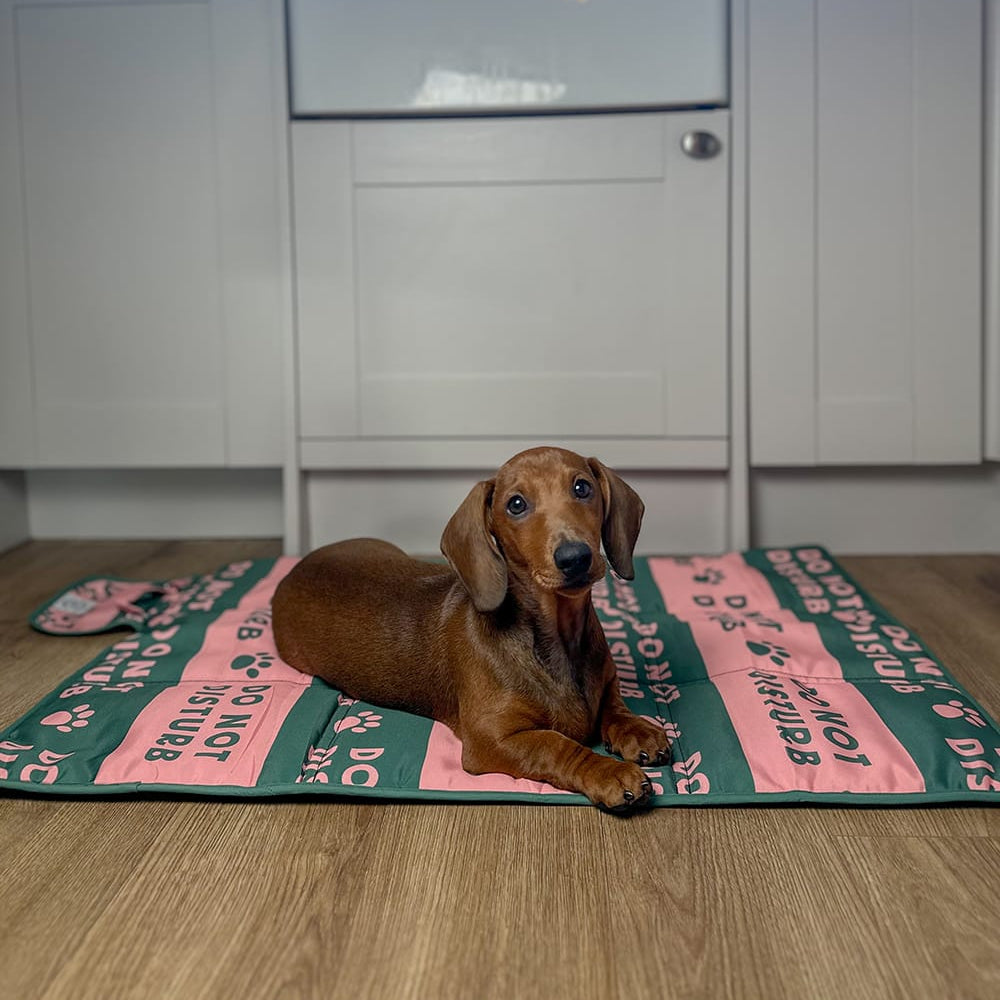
98,604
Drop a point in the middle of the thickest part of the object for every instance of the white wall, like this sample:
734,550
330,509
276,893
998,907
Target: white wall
13,510
855,511
685,512
852,511
154,503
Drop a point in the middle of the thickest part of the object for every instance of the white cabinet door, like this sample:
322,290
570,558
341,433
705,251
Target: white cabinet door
865,231
543,278
146,309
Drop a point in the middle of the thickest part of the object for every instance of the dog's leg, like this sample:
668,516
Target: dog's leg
545,755
626,734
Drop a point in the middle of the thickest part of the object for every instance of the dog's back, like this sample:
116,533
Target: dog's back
346,613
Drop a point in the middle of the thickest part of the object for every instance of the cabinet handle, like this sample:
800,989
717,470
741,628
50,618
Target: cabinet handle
701,145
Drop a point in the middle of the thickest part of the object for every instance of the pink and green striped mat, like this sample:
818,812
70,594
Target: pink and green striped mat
778,679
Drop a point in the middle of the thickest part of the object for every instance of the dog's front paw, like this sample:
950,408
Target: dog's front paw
617,787
637,740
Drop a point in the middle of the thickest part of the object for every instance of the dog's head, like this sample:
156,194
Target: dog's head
541,521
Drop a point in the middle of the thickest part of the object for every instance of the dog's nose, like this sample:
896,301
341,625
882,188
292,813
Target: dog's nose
573,559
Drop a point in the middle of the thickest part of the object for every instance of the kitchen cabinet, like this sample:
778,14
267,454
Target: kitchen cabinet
141,233
865,231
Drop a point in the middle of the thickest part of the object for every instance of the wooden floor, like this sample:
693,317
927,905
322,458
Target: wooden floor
189,899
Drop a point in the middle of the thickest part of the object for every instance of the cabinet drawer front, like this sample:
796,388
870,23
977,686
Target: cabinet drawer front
571,291
432,56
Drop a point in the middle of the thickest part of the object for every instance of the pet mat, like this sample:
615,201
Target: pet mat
777,678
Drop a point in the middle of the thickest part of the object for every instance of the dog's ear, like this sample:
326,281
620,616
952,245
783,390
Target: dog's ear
622,518
473,554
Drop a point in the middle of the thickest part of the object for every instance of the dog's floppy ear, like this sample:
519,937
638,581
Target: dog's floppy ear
468,545
622,518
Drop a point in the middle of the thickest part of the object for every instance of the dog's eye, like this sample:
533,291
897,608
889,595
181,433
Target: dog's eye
517,505
582,489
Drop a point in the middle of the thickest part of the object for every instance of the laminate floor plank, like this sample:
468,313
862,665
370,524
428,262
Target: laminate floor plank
186,898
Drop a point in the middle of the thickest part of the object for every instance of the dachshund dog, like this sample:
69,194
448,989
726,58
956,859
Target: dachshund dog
504,647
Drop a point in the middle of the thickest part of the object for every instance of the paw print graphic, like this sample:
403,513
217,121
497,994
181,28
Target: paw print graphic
954,709
359,723
253,664
66,722
318,759
710,576
778,655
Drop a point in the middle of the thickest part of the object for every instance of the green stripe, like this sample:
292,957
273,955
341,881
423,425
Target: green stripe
115,711
902,693
685,697
302,729
388,746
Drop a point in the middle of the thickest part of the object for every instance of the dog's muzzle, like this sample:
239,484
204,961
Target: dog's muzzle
573,560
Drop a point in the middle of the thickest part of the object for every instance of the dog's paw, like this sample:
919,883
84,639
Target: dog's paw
637,740
617,787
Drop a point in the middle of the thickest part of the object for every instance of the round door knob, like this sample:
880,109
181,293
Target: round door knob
700,145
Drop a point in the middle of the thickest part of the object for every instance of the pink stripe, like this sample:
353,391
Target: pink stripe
218,724
818,735
840,746
719,584
239,644
789,646
202,734
443,771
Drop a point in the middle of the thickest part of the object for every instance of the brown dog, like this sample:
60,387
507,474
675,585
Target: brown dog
504,647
